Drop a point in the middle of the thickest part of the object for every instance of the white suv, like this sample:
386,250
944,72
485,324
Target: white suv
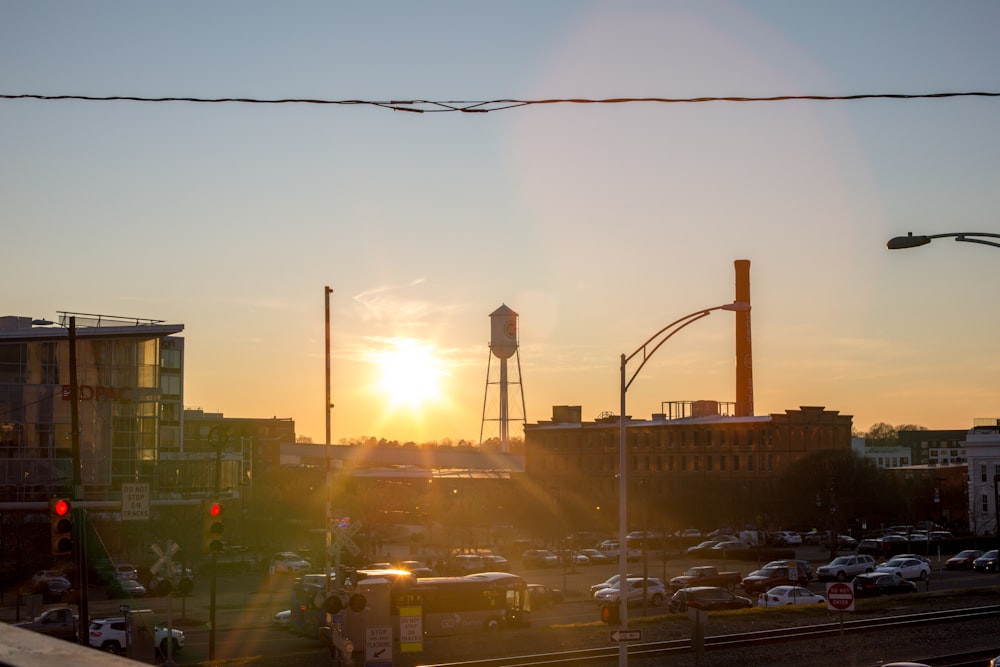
108,634
843,568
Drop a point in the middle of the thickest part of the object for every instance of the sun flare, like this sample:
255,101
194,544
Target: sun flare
409,373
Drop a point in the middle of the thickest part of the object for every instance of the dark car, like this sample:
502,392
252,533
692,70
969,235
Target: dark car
987,562
803,564
543,596
963,560
706,598
56,589
872,584
767,578
702,549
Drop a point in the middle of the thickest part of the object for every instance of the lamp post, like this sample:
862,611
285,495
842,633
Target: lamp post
911,241
647,350
328,509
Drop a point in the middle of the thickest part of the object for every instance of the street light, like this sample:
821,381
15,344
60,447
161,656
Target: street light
911,241
647,349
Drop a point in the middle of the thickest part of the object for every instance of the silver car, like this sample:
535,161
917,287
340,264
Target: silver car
655,592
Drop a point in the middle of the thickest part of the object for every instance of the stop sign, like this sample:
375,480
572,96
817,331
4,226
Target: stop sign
840,597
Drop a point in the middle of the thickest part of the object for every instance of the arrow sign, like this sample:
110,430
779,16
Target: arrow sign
626,635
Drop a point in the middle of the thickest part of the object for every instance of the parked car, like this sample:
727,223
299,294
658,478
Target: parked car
127,571
636,589
418,568
987,562
871,584
804,565
962,560
907,568
539,558
707,598
43,576
463,564
786,595
767,578
846,542
607,583
843,568
56,589
108,634
541,595
595,557
917,556
722,548
289,562
788,538
875,547
125,588
702,548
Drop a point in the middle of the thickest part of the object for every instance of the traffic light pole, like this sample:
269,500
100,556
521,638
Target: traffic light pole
214,578
83,603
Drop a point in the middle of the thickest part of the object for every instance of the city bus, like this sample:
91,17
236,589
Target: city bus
485,601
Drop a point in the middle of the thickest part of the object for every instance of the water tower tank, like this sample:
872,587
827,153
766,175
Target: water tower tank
503,327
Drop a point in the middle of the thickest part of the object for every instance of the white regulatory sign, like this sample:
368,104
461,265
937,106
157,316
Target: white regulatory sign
135,501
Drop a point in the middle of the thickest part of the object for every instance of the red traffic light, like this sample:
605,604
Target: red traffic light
61,507
215,509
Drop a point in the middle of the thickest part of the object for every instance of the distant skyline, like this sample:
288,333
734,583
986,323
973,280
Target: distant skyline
597,224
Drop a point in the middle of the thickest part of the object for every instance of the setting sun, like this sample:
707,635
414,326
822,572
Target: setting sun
409,373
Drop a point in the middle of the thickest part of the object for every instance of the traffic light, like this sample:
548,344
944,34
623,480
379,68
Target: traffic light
212,527
610,613
62,526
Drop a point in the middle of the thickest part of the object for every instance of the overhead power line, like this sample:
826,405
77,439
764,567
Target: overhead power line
485,106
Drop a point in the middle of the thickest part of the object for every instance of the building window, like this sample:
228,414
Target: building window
708,463
982,472
986,504
722,463
736,462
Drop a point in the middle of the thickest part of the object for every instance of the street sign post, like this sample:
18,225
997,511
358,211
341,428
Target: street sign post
839,596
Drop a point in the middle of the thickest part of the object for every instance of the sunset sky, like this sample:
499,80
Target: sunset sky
597,224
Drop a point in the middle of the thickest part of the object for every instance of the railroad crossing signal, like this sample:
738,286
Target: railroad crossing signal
212,527
61,526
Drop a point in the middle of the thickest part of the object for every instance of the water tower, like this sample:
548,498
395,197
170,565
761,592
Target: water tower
503,346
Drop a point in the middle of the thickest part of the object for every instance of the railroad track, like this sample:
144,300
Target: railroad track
662,649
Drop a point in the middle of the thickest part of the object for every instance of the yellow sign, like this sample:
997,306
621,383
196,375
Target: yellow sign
411,629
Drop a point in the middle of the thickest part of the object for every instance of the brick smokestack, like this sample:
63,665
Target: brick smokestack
744,353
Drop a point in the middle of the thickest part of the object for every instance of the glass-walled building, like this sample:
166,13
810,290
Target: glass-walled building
129,379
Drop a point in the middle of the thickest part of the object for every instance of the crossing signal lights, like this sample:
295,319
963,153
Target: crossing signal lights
212,527
610,613
61,522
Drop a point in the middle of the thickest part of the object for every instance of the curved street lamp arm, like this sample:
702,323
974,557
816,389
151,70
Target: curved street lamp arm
682,322
911,241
